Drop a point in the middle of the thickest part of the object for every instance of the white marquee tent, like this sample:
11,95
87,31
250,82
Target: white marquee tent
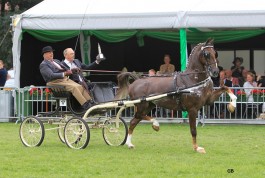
82,15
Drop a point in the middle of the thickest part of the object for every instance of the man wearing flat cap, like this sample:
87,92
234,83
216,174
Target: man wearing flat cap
55,74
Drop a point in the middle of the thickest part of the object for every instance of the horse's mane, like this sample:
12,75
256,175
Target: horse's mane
208,42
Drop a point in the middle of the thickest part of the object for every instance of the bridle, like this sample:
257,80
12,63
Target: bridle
207,56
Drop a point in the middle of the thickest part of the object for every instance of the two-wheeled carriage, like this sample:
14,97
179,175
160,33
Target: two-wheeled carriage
72,124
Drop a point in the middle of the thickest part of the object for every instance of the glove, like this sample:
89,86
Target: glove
75,70
68,72
98,59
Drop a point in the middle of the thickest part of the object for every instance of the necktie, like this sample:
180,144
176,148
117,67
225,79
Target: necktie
56,65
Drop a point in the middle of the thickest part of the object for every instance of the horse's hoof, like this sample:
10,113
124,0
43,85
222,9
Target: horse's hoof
156,128
230,108
131,146
200,150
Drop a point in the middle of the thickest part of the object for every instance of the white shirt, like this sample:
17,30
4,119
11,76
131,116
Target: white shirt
72,66
10,82
248,88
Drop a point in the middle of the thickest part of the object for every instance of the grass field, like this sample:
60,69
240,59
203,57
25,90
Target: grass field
167,153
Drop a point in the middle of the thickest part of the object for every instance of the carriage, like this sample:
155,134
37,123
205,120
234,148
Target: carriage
72,124
189,90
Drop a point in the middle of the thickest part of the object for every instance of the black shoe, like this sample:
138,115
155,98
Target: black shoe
88,104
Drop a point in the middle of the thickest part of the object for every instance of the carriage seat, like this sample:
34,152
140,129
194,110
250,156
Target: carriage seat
102,91
59,92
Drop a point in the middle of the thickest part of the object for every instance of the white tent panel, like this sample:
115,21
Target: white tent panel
136,14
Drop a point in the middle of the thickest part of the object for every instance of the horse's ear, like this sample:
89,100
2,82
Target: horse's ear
209,41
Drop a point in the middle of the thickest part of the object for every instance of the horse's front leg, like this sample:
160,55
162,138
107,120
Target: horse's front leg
216,94
193,130
154,121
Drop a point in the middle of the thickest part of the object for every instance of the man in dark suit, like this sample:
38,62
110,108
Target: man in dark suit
70,63
55,74
224,81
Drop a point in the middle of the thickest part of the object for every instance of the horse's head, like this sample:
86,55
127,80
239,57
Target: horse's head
208,58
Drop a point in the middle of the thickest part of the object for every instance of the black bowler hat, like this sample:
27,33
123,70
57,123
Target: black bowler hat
47,49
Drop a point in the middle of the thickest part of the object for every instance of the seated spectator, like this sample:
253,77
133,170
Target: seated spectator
237,69
151,72
223,80
261,81
244,78
167,68
249,85
228,74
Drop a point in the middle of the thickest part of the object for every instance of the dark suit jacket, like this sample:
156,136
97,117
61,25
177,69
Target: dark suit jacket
3,74
227,83
79,64
50,72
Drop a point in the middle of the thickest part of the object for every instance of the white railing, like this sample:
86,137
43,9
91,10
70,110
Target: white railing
18,103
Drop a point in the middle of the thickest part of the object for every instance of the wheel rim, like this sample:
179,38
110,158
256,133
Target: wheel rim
31,132
60,130
76,133
115,132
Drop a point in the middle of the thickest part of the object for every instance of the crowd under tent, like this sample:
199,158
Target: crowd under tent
179,22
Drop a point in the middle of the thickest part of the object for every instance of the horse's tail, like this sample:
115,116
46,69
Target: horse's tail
124,80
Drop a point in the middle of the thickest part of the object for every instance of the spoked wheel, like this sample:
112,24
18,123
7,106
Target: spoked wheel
60,129
31,132
76,133
115,132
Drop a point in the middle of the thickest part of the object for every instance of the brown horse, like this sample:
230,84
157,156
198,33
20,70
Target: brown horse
196,79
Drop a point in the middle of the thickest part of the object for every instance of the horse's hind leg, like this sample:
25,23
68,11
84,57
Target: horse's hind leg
193,130
133,124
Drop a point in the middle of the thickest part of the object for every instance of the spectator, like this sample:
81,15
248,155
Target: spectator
3,74
223,80
228,74
244,78
167,68
10,82
7,7
237,69
151,72
261,81
249,85
17,8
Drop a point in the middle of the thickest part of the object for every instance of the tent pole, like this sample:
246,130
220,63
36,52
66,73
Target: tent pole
183,57
183,49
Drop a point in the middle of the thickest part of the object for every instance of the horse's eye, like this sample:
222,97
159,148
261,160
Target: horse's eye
206,54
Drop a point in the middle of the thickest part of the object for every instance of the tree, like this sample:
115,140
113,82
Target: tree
5,27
